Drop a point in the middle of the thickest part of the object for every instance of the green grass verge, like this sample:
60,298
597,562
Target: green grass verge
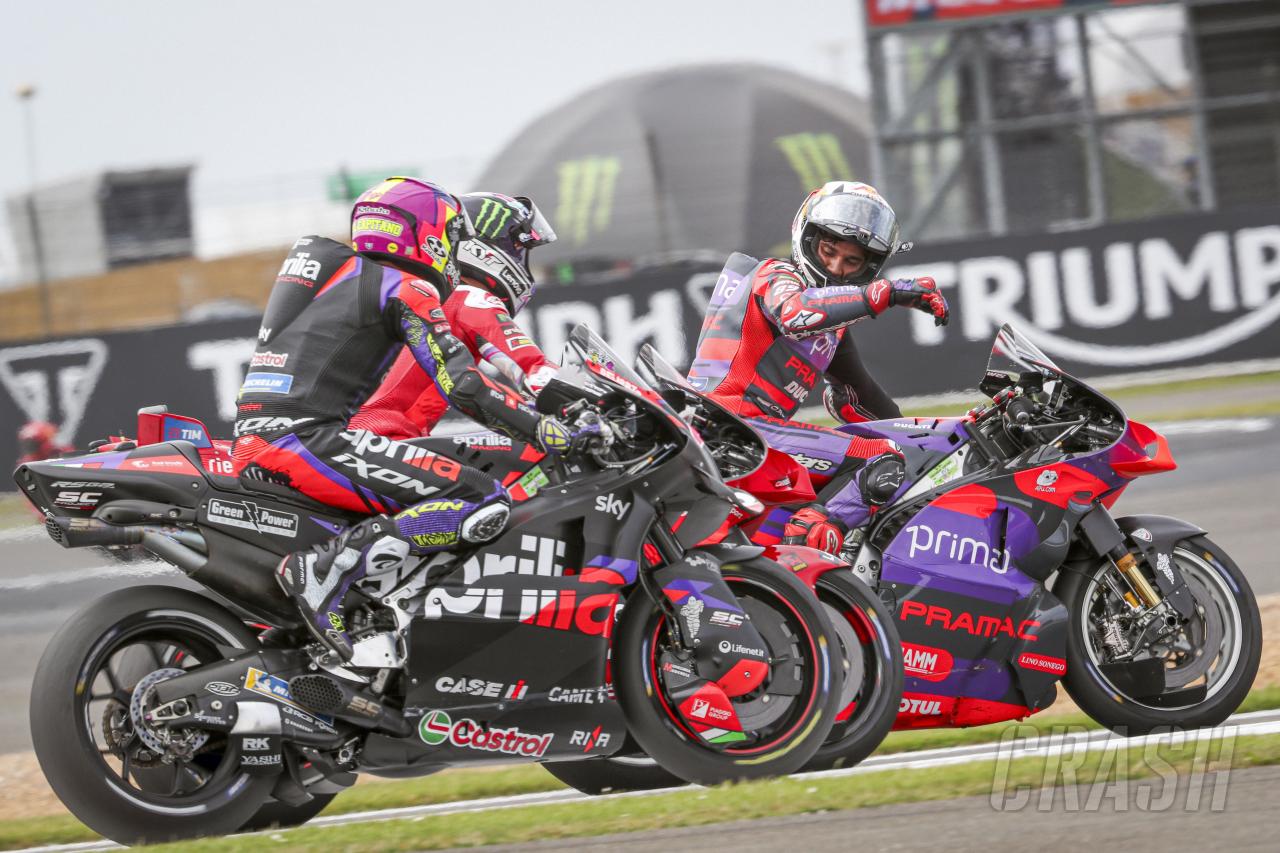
15,511
468,784
775,798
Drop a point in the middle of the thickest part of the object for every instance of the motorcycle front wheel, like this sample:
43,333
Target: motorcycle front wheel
1218,649
783,730
872,656
136,785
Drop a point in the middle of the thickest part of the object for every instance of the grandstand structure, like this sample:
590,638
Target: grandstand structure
1005,117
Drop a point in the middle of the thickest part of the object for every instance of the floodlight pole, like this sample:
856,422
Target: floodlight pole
26,93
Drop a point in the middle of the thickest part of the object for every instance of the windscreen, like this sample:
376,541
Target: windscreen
588,351
1013,354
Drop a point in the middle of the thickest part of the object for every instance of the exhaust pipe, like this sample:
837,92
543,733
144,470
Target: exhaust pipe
325,694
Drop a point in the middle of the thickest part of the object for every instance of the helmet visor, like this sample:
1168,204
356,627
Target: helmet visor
855,216
536,231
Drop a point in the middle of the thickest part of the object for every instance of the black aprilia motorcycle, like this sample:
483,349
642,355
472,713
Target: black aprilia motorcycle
159,713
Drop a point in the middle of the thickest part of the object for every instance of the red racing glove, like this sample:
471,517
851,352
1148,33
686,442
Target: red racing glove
813,526
919,293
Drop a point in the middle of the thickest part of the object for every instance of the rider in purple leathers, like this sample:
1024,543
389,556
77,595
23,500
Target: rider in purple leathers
336,318
774,328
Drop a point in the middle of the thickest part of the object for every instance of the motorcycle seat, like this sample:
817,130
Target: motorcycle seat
253,486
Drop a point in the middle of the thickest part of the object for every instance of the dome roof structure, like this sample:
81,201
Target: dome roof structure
714,157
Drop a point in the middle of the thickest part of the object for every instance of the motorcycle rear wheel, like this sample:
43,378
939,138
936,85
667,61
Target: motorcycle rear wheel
790,740
83,733
1222,594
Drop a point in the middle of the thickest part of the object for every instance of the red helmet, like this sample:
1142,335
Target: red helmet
413,225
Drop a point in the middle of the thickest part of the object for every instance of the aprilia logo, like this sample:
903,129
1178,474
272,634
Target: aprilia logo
301,266
537,556
561,609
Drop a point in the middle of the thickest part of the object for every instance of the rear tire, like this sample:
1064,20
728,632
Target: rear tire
873,673
1213,572
80,691
806,719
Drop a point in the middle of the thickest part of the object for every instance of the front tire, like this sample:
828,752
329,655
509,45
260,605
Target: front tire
797,723
1226,609
83,733
615,773
873,673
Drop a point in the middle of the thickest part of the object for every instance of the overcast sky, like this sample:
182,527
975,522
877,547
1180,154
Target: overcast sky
272,89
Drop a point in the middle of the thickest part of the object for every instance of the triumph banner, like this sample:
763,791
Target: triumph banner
1154,294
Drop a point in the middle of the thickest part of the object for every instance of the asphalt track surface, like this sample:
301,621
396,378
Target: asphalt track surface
1228,482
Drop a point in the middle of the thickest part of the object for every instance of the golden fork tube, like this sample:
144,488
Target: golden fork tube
1128,566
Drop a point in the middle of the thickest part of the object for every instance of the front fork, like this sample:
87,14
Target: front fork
715,653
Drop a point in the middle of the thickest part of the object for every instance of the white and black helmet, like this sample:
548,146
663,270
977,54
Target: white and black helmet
497,256
844,210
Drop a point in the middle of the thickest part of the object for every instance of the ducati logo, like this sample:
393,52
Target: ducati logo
53,382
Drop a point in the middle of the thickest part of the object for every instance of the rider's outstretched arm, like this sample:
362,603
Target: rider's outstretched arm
413,313
801,312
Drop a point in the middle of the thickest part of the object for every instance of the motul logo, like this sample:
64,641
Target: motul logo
920,707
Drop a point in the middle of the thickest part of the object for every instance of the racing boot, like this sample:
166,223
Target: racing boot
814,527
317,580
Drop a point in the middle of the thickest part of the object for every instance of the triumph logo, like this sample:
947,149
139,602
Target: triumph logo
1204,271
54,382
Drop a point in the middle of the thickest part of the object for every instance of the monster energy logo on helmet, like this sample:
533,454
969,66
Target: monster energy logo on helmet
493,217
815,157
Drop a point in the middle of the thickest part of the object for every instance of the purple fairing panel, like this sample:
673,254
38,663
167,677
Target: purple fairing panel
964,554
823,445
626,569
928,434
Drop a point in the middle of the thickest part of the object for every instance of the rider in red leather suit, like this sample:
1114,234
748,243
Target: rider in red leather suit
496,284
776,327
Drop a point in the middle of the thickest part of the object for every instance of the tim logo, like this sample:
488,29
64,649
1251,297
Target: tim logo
54,382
